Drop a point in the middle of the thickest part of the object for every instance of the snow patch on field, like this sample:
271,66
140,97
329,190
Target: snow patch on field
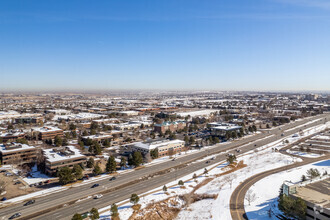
266,197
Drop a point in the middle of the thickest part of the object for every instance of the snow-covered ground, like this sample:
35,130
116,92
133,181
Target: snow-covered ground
219,208
265,158
304,154
266,197
36,177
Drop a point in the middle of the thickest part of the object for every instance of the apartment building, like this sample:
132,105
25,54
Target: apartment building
15,153
57,158
165,147
48,132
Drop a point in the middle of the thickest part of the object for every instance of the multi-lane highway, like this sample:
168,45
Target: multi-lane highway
62,205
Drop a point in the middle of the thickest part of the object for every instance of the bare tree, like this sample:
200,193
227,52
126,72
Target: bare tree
3,185
250,196
229,179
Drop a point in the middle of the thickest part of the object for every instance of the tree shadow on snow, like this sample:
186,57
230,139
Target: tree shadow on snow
263,213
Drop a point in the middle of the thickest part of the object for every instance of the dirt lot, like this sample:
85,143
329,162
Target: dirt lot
12,189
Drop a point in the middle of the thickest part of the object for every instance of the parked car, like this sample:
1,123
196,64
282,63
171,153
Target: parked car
3,199
30,202
95,185
16,215
174,159
98,196
208,161
112,178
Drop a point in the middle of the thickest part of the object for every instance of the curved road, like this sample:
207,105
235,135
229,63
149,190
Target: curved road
237,210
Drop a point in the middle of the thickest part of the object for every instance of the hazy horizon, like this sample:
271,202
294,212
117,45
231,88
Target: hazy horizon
259,45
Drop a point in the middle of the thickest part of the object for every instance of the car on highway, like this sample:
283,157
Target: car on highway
98,196
95,185
16,215
112,178
213,158
208,161
30,202
174,159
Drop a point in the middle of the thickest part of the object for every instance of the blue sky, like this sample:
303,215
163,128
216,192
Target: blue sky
165,44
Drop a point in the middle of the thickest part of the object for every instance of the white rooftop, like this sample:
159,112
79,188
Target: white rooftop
97,136
156,144
53,156
46,129
21,147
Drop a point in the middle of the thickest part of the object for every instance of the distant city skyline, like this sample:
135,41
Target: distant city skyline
255,45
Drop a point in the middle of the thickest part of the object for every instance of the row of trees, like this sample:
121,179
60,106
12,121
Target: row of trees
94,214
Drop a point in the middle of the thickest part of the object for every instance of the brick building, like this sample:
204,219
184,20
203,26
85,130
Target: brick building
57,158
14,153
45,133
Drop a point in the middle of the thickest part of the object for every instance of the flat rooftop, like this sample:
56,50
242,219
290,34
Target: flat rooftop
152,144
318,193
54,155
7,148
46,129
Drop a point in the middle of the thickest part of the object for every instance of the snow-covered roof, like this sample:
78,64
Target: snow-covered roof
97,136
196,113
79,116
227,128
46,129
157,144
11,134
14,147
54,155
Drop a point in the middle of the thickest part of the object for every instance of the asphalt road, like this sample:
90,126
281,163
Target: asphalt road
237,197
75,193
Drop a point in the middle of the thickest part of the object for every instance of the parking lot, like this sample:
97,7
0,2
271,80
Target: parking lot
13,185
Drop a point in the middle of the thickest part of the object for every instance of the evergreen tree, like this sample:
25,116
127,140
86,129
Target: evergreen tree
111,165
77,172
123,162
90,162
186,139
130,160
114,210
231,158
164,188
65,175
134,199
77,217
97,170
94,214
180,183
58,141
205,171
137,158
